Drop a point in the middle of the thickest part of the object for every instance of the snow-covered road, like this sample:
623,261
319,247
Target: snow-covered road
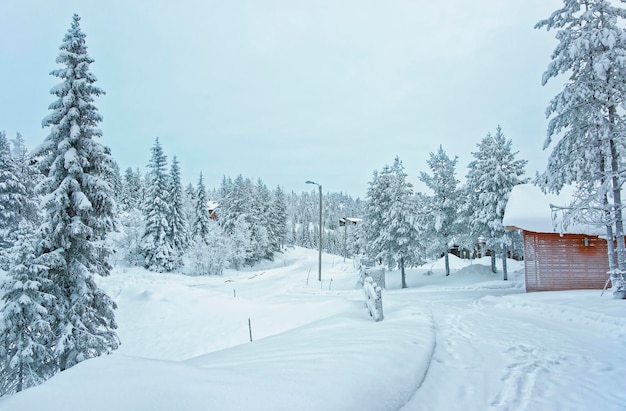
501,351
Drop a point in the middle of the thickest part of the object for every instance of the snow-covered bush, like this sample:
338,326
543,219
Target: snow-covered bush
128,240
211,255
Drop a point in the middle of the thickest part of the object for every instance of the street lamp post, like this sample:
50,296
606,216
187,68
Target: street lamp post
320,242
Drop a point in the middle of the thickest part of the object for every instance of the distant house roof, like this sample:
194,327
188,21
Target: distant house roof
212,205
529,209
344,220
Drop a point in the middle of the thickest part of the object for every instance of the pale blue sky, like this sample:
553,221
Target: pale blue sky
291,90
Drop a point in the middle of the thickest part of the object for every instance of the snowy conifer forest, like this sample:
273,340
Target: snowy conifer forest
157,276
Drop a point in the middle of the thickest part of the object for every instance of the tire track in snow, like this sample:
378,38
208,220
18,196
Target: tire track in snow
486,356
449,327
520,378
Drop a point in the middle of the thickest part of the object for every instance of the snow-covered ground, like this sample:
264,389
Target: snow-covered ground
468,341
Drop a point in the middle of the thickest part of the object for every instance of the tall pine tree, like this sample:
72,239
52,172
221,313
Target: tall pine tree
491,177
278,219
443,206
202,218
132,190
79,207
177,221
588,117
26,321
392,230
14,195
156,243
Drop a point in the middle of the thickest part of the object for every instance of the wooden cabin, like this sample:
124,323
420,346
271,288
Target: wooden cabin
555,257
212,206
564,262
345,221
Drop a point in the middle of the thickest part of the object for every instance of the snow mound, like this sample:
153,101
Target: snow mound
464,275
339,363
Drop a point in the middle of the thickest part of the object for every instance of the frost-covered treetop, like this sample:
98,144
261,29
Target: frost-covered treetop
530,209
592,51
76,92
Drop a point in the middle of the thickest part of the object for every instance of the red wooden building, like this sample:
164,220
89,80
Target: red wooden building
555,257
564,262
212,205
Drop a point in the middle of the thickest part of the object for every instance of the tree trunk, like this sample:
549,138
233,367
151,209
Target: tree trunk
447,261
504,269
20,379
617,277
610,240
493,262
610,246
403,273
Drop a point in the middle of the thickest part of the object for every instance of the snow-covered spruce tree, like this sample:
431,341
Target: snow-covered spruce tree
241,243
26,324
441,222
132,190
306,236
129,242
238,205
179,236
131,218
212,249
588,115
278,219
491,177
189,208
12,194
392,232
29,176
301,216
78,206
376,205
260,222
116,183
26,357
156,244
202,219
18,147
233,202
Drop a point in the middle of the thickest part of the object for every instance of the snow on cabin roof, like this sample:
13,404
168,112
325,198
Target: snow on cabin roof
528,209
344,220
212,205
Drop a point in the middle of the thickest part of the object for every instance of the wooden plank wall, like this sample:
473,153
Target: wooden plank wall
555,262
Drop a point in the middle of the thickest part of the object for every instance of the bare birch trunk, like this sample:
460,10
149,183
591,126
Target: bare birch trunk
610,243
618,276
